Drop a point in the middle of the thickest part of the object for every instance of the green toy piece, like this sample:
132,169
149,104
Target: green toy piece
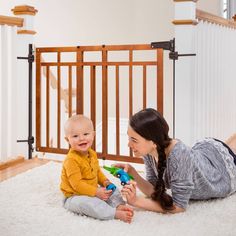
112,170
117,171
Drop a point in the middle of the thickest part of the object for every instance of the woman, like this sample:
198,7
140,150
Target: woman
205,171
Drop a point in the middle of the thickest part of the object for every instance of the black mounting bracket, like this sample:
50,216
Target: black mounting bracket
173,55
170,46
30,139
30,58
166,45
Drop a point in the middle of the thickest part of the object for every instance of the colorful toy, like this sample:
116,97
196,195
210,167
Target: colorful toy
111,186
119,173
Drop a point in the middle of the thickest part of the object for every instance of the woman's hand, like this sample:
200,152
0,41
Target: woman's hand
103,194
126,167
129,192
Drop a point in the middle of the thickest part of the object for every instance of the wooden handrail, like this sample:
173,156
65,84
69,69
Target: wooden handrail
205,16
12,21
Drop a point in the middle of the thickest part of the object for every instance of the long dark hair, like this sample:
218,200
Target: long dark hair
151,125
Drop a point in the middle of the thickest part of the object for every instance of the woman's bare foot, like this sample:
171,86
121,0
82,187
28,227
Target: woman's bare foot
125,208
124,215
231,142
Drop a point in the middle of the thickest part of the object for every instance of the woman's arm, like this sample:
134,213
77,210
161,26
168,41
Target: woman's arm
147,204
150,205
129,191
144,186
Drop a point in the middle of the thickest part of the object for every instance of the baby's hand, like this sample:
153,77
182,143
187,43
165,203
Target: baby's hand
111,186
103,194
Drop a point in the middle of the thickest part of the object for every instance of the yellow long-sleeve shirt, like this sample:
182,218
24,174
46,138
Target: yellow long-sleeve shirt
81,174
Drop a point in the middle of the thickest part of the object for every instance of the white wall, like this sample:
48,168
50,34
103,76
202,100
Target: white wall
211,6
91,22
98,22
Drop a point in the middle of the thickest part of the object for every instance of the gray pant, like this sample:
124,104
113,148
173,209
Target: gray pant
93,206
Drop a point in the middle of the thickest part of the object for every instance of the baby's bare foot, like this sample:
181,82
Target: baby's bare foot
125,208
123,215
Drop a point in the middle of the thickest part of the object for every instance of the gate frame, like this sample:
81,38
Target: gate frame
104,63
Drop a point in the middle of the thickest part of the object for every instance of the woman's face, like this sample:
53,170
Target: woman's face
139,145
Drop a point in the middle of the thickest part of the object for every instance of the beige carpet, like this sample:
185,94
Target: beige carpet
30,204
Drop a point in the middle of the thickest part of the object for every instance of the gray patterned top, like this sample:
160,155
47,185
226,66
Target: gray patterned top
205,171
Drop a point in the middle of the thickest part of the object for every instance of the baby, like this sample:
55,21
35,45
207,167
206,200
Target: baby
81,176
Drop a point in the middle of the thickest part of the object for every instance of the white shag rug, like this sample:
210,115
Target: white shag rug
31,204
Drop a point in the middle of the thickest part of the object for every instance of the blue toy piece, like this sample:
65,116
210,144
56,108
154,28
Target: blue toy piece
111,186
120,173
123,176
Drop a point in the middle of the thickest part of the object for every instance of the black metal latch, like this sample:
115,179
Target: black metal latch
30,141
170,46
30,58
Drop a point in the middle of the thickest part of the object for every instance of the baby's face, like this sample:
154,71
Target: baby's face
81,136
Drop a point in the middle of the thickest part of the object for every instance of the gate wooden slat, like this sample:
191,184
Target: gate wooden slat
93,98
104,105
160,80
38,99
130,89
117,111
58,101
144,86
70,91
47,106
79,83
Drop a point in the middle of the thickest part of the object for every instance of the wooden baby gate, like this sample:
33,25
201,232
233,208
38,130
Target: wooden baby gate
107,83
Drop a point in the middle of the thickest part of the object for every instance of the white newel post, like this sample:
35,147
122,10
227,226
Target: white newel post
8,86
185,21
7,89
25,36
